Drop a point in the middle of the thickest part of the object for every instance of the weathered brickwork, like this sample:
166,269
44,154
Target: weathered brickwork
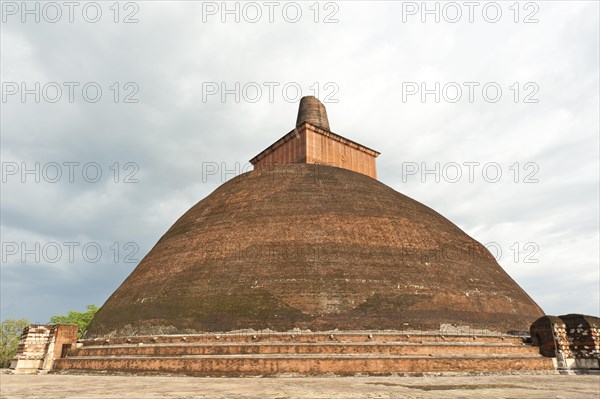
583,333
311,241
572,336
410,337
312,111
549,333
32,349
41,344
258,353
312,142
327,148
291,148
340,365
312,247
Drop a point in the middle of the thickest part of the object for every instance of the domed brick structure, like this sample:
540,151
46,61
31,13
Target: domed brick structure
311,240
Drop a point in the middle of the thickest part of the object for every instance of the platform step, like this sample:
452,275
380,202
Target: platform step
269,353
306,364
306,337
399,348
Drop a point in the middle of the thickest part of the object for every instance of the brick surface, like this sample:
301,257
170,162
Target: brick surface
313,145
312,247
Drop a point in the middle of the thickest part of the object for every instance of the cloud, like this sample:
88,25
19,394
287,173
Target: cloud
171,133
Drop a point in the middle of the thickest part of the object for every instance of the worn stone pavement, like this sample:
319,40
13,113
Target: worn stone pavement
151,387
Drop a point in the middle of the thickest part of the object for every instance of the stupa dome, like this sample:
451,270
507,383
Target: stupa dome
306,245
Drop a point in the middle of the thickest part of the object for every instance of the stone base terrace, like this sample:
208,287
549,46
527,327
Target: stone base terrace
338,353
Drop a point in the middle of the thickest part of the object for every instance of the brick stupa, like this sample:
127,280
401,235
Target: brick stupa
311,240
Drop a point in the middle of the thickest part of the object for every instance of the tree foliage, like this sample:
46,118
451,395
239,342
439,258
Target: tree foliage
82,319
11,330
10,335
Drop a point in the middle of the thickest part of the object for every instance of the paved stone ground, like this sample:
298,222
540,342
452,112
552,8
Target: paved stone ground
151,387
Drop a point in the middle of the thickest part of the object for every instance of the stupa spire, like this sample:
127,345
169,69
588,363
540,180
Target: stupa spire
312,141
312,111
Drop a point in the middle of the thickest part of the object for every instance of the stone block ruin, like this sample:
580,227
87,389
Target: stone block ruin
572,340
40,345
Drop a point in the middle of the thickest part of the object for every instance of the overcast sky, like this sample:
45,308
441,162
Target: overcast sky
513,132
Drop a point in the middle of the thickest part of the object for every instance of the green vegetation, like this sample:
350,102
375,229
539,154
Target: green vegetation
11,330
82,319
10,335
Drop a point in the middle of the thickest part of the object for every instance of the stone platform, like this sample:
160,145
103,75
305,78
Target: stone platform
372,353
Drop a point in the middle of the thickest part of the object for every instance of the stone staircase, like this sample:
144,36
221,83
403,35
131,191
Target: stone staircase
232,354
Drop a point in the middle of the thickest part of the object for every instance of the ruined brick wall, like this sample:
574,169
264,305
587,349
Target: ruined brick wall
41,344
549,333
573,339
583,334
32,348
